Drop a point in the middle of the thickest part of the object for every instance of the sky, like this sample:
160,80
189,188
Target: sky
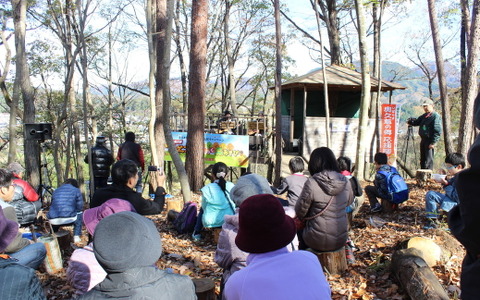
397,35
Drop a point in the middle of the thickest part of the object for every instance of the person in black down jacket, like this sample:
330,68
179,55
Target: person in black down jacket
125,177
102,159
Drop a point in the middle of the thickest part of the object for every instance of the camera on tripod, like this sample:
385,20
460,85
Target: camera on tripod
411,120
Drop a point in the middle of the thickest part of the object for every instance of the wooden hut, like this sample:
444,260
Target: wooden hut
303,110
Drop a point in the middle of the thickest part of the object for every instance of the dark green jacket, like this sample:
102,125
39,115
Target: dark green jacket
430,126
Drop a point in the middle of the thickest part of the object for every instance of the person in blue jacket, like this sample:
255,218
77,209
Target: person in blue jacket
67,207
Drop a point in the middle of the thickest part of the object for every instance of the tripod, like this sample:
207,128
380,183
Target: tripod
410,137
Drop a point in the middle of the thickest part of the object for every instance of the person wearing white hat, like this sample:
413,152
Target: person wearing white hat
429,129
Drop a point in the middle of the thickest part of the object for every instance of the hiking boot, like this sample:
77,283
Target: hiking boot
376,208
431,224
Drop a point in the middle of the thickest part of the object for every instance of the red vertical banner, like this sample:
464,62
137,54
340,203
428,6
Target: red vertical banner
388,141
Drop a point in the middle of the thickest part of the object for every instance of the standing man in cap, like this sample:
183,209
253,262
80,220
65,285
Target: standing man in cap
102,159
429,130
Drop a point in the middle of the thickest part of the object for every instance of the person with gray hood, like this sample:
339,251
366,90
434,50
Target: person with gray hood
228,256
323,200
127,245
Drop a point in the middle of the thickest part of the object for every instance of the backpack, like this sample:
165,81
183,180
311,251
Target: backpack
187,218
356,187
396,185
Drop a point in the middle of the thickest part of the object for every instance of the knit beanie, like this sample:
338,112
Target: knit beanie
92,216
249,185
126,240
263,225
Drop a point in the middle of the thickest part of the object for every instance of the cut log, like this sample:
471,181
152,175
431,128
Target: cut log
216,234
174,203
334,262
388,206
416,277
422,176
204,288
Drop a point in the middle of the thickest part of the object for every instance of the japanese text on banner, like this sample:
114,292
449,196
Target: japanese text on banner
388,140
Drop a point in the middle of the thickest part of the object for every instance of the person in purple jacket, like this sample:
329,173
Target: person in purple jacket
272,272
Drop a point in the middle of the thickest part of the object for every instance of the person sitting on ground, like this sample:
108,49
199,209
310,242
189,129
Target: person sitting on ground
84,272
16,281
434,201
127,246
227,255
272,272
216,201
25,200
124,177
23,250
293,184
380,187
345,166
323,201
66,208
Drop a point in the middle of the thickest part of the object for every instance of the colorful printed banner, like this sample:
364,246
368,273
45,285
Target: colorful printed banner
229,149
388,140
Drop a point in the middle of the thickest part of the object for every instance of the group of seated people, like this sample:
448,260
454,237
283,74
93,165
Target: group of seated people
259,242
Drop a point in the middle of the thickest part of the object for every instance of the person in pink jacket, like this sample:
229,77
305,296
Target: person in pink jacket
84,272
272,272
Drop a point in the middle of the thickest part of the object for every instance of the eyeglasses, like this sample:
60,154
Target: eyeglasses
449,167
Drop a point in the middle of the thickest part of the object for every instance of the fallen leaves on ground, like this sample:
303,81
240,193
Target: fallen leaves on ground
368,278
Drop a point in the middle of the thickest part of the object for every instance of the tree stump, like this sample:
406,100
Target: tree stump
422,176
174,203
216,234
416,277
64,238
388,206
334,262
204,288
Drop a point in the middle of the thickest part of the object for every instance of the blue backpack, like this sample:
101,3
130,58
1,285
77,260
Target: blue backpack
187,218
397,187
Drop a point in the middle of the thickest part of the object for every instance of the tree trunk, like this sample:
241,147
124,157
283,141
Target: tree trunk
329,16
181,61
278,94
164,59
365,102
196,94
464,40
437,47
150,12
231,61
470,85
160,86
416,277
85,97
32,151
325,81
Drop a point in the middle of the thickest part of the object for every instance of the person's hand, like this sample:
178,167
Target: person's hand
431,146
443,181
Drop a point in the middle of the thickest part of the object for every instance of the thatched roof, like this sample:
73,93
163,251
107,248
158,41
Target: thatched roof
338,78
